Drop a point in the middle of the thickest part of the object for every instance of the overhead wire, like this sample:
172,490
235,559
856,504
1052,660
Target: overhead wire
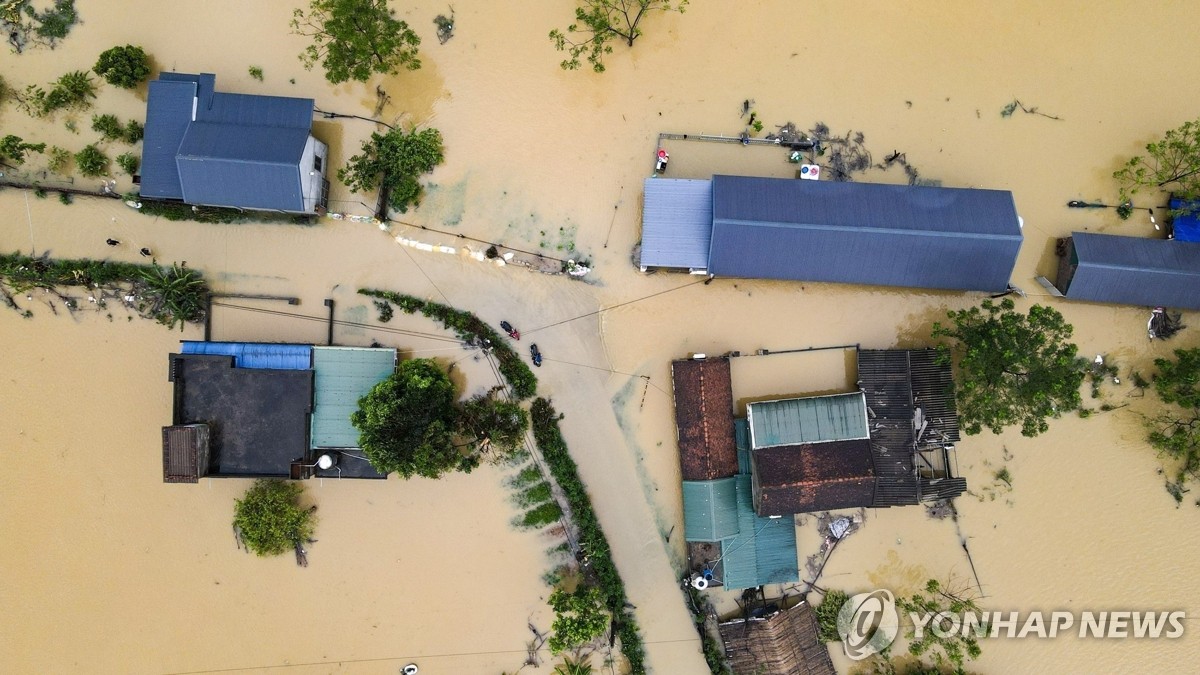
620,304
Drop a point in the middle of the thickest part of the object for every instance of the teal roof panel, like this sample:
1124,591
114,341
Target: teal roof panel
741,438
764,551
815,419
710,510
344,375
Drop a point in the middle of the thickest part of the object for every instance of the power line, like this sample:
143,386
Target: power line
621,304
340,322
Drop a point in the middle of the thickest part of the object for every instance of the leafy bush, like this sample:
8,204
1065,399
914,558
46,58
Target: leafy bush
495,425
56,22
124,67
827,614
542,515
134,131
59,160
270,518
91,161
64,198
71,91
128,162
108,126
256,73
471,329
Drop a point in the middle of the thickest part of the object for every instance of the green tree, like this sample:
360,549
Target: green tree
405,422
1172,163
1175,430
171,295
579,618
599,22
270,519
354,39
393,162
125,67
91,161
957,647
59,159
1013,369
496,426
14,148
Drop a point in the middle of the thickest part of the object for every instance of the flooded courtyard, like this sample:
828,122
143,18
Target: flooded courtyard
110,570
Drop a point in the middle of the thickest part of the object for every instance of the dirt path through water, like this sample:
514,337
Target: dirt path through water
120,573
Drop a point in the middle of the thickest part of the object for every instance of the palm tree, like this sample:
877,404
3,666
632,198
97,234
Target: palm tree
577,666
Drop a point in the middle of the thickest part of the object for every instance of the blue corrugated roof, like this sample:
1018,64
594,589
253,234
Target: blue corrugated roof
168,114
676,223
230,154
863,233
1187,226
764,551
258,355
1136,271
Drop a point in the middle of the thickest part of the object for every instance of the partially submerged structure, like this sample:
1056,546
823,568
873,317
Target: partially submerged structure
1127,270
888,444
861,233
268,410
779,638
210,148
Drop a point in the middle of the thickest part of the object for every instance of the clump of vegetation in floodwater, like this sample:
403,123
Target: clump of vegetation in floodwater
1175,431
111,129
24,26
269,520
256,73
71,91
472,330
170,295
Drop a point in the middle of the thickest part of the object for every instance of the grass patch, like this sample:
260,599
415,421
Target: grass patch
542,515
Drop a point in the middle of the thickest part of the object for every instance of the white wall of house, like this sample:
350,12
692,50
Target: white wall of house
314,163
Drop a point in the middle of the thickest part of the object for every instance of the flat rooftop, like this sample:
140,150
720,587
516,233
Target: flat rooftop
258,419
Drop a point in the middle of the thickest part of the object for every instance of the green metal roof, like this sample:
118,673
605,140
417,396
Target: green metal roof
764,551
741,438
709,509
795,421
344,375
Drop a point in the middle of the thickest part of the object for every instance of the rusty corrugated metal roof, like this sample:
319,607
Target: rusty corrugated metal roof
704,418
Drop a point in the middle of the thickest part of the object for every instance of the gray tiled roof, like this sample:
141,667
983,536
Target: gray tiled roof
1136,271
891,235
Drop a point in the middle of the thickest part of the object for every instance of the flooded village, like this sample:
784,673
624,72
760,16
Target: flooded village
737,410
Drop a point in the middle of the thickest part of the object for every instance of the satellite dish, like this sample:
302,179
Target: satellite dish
410,669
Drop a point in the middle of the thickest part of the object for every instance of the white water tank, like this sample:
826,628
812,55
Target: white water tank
326,461
699,582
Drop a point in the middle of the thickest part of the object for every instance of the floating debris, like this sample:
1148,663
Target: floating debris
445,26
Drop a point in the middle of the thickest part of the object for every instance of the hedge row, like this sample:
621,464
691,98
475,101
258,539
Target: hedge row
468,327
554,449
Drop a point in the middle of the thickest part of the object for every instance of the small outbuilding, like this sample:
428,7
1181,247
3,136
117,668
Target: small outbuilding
776,639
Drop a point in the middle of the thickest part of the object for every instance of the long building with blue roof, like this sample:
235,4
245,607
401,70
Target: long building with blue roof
210,148
1128,270
860,233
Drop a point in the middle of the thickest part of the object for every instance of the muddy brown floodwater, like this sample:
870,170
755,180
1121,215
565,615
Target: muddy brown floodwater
109,570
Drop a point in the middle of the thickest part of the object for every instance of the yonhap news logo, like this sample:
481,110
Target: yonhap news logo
868,624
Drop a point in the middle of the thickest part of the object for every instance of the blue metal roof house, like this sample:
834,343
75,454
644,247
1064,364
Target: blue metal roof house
1128,270
860,233
210,148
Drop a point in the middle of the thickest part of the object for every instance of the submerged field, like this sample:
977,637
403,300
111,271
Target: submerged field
113,571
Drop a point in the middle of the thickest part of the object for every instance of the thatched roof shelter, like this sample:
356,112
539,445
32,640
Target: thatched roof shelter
782,642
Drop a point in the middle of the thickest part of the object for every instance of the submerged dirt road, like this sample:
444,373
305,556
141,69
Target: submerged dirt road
115,572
